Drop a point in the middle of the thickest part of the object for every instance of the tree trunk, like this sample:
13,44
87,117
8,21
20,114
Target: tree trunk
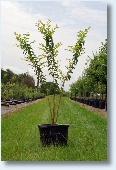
106,93
38,80
96,89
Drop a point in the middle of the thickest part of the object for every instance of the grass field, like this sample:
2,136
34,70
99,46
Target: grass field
87,137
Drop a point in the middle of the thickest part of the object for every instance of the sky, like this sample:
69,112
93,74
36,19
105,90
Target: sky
70,16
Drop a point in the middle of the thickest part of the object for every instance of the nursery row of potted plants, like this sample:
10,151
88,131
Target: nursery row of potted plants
14,93
9,102
97,103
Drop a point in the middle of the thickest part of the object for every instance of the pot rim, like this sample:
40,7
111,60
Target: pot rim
56,125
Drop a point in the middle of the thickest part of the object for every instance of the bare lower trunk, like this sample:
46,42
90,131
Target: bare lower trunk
38,80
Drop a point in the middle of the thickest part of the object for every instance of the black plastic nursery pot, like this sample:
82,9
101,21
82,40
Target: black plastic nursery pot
96,103
56,135
101,104
82,100
106,106
87,102
91,102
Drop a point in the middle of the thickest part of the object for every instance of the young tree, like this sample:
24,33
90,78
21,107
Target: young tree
48,59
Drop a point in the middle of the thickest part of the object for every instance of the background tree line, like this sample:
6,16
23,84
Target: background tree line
23,85
94,77
7,76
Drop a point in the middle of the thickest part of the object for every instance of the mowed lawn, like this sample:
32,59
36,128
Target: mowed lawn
87,136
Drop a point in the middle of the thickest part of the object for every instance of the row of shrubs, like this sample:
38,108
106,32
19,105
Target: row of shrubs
9,102
15,93
97,103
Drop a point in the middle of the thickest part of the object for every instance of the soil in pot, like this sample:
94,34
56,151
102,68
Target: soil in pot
56,135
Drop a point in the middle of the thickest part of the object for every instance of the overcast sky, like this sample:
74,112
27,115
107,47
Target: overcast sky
70,16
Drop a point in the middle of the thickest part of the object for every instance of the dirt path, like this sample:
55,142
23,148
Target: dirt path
102,112
6,111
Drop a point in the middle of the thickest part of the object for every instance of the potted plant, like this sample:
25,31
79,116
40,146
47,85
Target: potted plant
51,133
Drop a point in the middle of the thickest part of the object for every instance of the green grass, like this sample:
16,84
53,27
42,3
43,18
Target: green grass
87,137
